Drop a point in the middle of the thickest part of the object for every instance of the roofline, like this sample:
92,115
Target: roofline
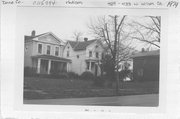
150,55
40,35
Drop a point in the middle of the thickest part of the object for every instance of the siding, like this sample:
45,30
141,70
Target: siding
150,67
28,49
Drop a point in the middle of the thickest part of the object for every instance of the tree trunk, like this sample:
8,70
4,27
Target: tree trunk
117,82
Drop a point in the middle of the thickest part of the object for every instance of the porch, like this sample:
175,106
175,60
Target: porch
50,64
93,66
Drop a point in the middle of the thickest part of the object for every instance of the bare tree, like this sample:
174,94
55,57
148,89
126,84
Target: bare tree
148,32
111,30
77,35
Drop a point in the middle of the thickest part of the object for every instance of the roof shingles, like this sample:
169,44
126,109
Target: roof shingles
80,45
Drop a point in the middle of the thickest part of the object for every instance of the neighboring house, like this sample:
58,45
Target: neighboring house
44,53
146,66
85,55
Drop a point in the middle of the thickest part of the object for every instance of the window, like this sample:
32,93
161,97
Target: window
57,51
97,55
67,53
90,53
40,48
48,49
78,56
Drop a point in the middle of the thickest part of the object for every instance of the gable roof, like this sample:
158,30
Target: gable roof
77,46
72,43
147,53
28,38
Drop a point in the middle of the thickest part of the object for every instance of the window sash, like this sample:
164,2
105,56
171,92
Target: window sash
57,51
48,49
90,53
67,53
97,55
40,48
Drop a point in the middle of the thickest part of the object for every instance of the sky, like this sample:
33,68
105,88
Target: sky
60,21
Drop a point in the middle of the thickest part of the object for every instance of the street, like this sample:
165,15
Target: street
150,100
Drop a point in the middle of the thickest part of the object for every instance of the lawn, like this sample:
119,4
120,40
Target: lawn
45,88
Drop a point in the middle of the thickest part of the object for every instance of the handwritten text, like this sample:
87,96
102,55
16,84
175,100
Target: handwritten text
44,2
6,2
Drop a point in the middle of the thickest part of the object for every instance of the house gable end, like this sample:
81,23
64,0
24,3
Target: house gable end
49,38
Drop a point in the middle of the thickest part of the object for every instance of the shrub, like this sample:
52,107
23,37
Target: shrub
99,81
125,73
87,76
29,71
72,75
59,75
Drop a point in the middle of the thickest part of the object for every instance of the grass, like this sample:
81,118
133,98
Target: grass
45,88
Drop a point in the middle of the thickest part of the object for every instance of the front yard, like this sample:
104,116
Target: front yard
45,88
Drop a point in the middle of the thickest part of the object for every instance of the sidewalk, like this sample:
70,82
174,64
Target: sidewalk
133,100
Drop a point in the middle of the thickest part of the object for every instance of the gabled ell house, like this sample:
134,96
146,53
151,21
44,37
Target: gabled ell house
44,53
85,55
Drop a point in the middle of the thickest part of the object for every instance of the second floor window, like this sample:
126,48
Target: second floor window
48,49
67,53
97,55
57,51
40,48
90,53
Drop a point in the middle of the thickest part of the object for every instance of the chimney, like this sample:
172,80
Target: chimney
33,33
85,39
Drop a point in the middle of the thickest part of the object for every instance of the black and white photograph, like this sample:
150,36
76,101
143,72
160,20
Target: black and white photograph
76,57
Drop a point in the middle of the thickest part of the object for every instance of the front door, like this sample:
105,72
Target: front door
44,66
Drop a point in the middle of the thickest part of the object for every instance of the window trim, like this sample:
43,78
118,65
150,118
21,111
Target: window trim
58,50
47,49
90,52
97,54
67,53
41,48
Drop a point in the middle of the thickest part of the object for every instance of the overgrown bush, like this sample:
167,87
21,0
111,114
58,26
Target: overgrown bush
58,76
99,81
125,73
72,75
29,71
87,76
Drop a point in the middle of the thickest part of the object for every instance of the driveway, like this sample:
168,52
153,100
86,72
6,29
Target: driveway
133,100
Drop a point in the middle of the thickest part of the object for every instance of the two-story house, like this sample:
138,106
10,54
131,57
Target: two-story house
85,55
44,53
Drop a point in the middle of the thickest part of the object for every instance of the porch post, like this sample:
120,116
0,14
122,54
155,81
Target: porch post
49,66
39,65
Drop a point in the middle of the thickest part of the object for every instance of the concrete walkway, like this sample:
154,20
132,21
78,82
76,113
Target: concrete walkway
133,100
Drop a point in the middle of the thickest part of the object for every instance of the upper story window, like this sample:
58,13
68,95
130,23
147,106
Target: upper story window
90,53
97,55
67,54
48,49
57,51
40,48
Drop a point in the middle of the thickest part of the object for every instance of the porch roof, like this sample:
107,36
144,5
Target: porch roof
92,60
52,58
